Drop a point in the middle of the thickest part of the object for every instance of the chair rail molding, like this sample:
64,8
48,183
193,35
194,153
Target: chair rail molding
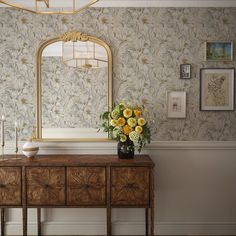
110,146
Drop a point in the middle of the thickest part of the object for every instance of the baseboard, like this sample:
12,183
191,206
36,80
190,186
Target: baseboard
196,228
125,228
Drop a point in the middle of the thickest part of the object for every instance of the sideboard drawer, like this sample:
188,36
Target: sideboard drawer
10,186
86,186
129,186
45,186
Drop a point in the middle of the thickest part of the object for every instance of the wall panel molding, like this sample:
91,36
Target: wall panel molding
110,146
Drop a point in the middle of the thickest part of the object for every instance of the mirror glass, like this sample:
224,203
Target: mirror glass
73,93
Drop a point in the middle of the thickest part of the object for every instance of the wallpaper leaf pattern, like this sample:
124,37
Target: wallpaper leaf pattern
72,98
148,45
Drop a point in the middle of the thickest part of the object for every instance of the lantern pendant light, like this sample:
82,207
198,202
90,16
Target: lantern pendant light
50,6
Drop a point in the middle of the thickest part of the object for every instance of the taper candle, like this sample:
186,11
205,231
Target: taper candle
2,132
16,136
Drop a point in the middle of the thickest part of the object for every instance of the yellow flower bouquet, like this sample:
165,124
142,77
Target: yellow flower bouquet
127,125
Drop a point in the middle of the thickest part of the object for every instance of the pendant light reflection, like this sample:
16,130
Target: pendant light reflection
84,55
50,6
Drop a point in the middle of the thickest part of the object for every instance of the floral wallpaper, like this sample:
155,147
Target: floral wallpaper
148,45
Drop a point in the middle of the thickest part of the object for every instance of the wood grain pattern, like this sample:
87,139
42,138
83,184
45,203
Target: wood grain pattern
129,186
77,160
45,186
86,186
77,181
10,186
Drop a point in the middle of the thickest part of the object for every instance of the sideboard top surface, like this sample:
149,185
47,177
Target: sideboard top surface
76,160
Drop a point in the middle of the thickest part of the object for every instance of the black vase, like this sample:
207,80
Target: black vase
125,149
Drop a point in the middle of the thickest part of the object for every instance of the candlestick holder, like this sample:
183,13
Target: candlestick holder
2,137
3,157
17,130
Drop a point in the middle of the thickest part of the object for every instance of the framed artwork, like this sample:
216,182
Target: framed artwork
185,71
217,89
219,51
176,104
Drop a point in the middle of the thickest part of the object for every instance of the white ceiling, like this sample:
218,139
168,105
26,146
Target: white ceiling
162,3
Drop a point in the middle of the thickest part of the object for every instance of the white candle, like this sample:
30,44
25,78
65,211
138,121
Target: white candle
16,136
2,131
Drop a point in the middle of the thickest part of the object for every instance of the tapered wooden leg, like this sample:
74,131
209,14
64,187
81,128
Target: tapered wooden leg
147,221
152,202
109,225
108,221
2,221
152,221
24,211
39,221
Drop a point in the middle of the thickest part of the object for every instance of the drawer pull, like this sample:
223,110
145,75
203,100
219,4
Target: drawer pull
87,186
2,185
47,186
131,186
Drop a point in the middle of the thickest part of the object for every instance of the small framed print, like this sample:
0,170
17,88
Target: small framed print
176,104
185,71
217,89
219,51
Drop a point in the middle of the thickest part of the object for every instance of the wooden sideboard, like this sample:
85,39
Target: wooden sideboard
75,181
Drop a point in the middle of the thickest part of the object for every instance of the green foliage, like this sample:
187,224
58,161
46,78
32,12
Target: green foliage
116,121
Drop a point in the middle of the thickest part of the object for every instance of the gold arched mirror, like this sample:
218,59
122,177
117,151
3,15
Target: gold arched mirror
74,86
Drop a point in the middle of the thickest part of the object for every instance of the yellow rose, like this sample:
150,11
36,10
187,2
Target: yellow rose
131,122
141,121
127,129
127,113
133,136
139,129
121,121
115,114
137,112
122,105
123,138
113,123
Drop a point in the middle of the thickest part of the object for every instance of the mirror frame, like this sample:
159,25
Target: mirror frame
68,36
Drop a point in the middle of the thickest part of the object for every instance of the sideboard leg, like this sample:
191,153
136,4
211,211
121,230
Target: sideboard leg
108,221
24,211
152,202
109,225
2,221
147,221
39,221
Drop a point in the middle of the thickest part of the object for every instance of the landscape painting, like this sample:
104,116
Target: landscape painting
219,51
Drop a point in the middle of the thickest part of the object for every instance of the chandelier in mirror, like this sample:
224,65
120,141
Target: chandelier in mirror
84,55
50,6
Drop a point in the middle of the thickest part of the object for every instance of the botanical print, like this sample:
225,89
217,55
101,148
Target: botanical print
148,45
176,104
216,87
219,51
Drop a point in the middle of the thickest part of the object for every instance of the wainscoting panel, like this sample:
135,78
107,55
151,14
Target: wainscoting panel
195,193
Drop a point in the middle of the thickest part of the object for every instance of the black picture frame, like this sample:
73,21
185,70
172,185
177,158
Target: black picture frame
185,71
215,85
